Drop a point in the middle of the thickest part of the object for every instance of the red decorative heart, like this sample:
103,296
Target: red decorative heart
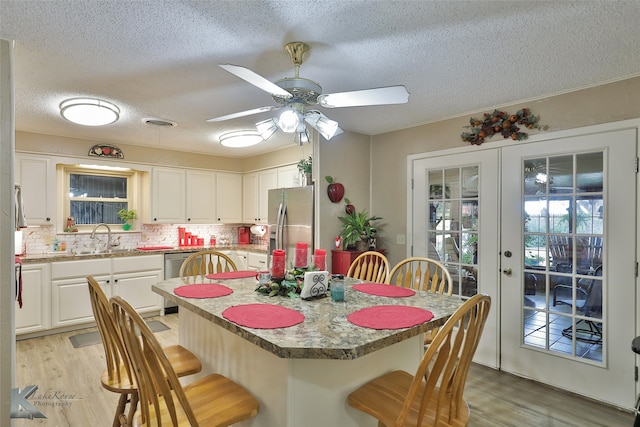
106,150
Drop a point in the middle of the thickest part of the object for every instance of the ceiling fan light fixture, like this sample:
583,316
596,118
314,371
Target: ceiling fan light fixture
302,137
266,128
289,121
89,111
326,127
240,138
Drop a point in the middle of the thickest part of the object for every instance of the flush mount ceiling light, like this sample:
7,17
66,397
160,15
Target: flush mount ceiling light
89,111
241,138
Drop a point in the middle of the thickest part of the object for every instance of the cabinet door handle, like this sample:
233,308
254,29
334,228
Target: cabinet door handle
116,281
48,219
108,281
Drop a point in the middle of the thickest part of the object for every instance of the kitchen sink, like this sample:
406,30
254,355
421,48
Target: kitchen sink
103,252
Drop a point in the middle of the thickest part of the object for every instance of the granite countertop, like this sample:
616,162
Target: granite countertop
70,256
325,333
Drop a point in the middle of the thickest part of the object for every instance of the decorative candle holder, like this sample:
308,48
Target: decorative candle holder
301,259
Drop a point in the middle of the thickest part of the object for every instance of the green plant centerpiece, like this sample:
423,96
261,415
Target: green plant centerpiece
290,286
357,229
127,216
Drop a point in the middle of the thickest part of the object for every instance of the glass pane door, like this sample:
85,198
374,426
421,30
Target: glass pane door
564,243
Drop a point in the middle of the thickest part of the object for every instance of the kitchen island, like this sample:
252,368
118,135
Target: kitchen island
302,374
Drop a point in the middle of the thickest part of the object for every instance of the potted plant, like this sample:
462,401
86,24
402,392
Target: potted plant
304,166
357,229
127,215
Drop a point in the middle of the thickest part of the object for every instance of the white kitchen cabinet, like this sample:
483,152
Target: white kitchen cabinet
37,177
288,176
35,314
168,197
129,277
255,195
229,198
132,280
256,261
201,197
250,197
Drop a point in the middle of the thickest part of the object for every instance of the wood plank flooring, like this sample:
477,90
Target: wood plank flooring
70,393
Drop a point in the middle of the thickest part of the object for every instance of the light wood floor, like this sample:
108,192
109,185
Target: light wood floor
68,381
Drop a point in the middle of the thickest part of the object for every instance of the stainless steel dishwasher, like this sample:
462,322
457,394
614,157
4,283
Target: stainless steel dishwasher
172,263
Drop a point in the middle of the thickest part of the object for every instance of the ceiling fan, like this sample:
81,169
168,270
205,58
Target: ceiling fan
295,94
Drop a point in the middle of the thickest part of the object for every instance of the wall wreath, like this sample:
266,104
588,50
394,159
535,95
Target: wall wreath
502,123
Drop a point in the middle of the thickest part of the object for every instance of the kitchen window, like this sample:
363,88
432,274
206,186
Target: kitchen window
94,196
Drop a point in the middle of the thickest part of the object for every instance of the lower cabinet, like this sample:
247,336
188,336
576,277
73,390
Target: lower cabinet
35,314
129,277
256,261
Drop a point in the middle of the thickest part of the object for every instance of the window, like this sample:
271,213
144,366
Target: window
95,196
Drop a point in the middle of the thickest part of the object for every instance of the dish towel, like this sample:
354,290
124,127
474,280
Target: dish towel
383,290
213,290
390,317
19,281
263,316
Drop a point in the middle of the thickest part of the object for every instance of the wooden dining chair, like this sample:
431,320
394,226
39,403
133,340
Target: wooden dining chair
214,400
206,262
434,395
425,274
118,376
370,266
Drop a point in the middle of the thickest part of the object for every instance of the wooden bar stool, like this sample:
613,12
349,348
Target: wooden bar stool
425,274
433,396
206,262
214,400
371,266
118,376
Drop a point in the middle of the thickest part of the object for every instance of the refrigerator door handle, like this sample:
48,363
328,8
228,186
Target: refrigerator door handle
282,227
279,230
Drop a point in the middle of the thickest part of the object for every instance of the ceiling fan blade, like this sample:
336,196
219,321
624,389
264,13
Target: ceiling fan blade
255,79
243,113
326,127
360,98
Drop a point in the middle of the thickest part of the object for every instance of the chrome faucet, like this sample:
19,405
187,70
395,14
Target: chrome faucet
109,242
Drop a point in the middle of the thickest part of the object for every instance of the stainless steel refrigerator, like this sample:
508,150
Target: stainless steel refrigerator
290,219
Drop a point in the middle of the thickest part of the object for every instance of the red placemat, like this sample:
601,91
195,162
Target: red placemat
212,290
390,317
231,275
263,316
382,290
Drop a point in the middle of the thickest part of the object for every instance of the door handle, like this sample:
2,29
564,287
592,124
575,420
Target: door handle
507,272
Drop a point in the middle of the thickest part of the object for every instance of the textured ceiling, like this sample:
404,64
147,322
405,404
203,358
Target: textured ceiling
160,59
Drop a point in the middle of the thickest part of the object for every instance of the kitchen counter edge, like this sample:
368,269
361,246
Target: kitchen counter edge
68,256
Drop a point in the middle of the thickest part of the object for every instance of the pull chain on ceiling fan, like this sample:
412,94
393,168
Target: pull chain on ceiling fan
294,94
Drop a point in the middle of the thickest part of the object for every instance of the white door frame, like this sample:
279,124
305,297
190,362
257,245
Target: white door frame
626,124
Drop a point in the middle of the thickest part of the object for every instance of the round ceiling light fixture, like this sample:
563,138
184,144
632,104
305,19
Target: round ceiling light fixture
89,111
241,138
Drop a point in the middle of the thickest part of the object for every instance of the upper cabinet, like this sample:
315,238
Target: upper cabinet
195,197
168,200
229,198
37,177
288,176
201,197
255,187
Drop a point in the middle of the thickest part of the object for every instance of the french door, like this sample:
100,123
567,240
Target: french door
568,263
552,240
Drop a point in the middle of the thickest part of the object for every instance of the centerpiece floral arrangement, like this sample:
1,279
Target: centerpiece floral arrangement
501,123
290,286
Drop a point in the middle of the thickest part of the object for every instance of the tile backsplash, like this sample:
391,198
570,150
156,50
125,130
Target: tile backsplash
40,240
